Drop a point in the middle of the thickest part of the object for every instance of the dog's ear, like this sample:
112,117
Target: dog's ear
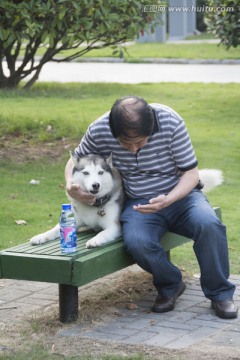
109,161
74,158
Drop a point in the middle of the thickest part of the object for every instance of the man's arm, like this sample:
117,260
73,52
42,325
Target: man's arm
187,183
68,173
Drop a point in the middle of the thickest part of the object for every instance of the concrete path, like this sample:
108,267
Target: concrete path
140,73
191,322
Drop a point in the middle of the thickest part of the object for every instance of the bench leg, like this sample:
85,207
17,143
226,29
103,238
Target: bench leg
68,303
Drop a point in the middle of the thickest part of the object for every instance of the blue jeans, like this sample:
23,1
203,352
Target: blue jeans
192,217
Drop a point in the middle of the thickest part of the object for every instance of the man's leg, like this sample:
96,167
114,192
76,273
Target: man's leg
195,218
142,234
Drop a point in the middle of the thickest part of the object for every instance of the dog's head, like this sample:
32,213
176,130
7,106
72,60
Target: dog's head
94,174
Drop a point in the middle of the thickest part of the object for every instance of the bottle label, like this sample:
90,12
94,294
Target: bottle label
68,239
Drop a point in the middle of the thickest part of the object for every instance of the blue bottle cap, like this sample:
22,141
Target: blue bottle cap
66,207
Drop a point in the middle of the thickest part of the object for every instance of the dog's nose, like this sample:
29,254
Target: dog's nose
96,186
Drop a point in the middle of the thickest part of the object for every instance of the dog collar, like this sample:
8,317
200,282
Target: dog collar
102,201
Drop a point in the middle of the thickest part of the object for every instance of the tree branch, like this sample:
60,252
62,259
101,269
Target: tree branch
89,48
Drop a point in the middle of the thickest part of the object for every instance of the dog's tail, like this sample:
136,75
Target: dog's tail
210,178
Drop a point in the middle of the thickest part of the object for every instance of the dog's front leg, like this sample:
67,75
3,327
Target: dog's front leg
46,237
105,236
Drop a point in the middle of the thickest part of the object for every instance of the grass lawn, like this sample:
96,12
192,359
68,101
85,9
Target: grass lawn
136,52
211,112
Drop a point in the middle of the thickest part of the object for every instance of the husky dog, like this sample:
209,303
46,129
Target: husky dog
98,177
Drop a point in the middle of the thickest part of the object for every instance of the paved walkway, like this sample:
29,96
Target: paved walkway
191,323
140,73
156,71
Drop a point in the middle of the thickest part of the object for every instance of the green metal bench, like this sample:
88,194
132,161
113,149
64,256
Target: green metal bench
46,263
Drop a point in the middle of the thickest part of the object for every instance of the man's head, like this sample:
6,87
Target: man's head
131,121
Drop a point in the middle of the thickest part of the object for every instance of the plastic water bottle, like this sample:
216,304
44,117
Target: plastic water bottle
68,237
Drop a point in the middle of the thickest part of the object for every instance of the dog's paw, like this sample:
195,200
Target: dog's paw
92,243
38,239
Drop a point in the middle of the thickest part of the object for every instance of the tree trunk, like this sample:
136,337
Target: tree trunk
9,82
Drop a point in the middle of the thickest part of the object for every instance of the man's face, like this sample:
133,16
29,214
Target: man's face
133,144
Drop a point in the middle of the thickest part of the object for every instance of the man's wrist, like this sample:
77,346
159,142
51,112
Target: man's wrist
68,184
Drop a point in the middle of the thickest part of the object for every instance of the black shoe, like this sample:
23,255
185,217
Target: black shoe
225,309
163,303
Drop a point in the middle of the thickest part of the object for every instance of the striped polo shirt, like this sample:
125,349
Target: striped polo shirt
155,168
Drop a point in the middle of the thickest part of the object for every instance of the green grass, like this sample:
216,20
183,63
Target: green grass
138,51
39,205
135,52
211,112
185,51
203,36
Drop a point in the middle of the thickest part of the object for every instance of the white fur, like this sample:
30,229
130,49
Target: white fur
210,178
93,170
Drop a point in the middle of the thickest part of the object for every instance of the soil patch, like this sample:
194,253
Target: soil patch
22,150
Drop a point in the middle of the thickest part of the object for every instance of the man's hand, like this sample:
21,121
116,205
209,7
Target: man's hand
74,190
154,205
76,193
187,182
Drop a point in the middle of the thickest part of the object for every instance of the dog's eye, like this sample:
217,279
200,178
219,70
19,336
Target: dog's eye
85,173
100,172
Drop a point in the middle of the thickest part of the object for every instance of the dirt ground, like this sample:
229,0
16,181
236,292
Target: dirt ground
97,302
21,149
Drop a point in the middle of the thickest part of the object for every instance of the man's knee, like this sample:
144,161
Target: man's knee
210,229
134,242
